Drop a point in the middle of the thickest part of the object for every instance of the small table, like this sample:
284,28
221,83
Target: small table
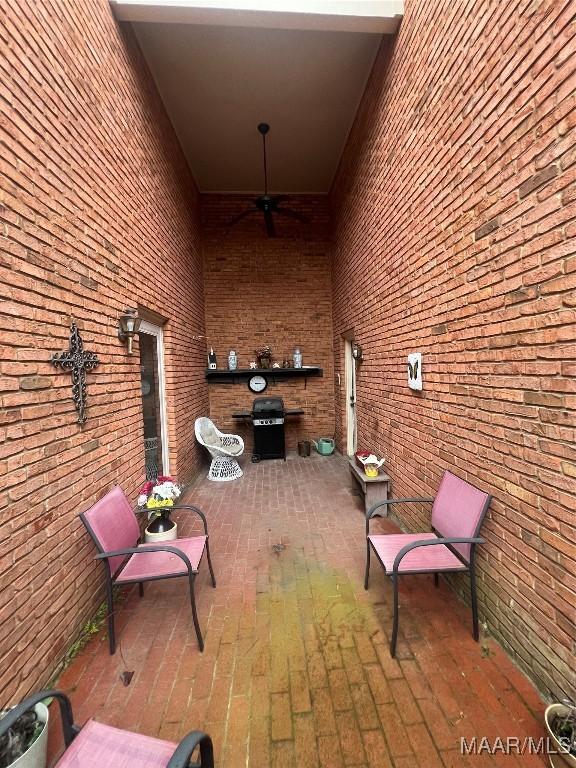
374,488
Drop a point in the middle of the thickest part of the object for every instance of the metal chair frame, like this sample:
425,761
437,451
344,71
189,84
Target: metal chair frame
111,579
467,565
180,758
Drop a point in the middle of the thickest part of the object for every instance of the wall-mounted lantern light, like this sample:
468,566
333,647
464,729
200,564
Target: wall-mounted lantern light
357,352
128,326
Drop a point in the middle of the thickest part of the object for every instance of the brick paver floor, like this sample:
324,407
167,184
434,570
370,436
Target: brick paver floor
296,669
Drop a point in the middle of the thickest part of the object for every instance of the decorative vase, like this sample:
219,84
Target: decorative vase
161,529
232,360
297,358
264,362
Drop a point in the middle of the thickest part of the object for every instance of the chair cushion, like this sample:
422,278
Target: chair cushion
209,435
102,746
156,564
432,558
235,449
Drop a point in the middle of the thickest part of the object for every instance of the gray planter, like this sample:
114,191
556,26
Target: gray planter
562,759
35,755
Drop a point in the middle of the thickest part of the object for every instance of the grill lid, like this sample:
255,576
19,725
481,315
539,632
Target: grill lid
268,405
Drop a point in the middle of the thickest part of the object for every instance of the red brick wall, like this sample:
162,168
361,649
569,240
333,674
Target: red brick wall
455,223
274,291
97,212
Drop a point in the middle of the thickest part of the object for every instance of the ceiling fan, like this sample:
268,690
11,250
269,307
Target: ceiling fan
268,204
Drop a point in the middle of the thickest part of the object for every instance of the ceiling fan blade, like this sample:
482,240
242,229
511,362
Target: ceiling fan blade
293,215
240,216
269,222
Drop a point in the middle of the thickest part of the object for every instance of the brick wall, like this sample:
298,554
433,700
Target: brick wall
97,212
455,222
274,291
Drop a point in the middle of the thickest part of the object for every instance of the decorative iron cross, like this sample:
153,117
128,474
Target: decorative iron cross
78,362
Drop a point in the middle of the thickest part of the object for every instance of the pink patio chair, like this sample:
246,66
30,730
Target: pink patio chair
114,529
96,745
457,514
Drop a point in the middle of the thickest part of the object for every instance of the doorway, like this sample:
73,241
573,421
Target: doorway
152,384
350,408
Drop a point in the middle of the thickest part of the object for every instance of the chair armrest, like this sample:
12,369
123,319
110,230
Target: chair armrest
227,441
370,513
183,752
431,543
229,438
145,550
193,509
69,729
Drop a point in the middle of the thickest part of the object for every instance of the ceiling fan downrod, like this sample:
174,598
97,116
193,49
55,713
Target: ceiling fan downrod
263,128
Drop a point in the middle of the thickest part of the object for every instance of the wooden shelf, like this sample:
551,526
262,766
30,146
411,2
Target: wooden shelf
224,376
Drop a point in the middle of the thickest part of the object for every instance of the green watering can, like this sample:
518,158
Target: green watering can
324,446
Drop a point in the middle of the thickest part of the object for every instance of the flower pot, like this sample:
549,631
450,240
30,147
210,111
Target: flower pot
561,759
161,529
35,755
264,362
304,448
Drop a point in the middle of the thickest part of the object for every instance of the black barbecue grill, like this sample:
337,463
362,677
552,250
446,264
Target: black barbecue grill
268,415
268,423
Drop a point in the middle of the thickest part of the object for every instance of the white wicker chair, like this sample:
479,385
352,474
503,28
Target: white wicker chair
224,450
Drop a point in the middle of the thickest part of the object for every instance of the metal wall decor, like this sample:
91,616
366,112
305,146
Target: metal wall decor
77,362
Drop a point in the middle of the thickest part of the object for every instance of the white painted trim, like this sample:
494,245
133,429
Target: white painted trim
369,16
155,330
350,378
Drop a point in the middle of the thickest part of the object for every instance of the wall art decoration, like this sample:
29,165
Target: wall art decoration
415,370
77,362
